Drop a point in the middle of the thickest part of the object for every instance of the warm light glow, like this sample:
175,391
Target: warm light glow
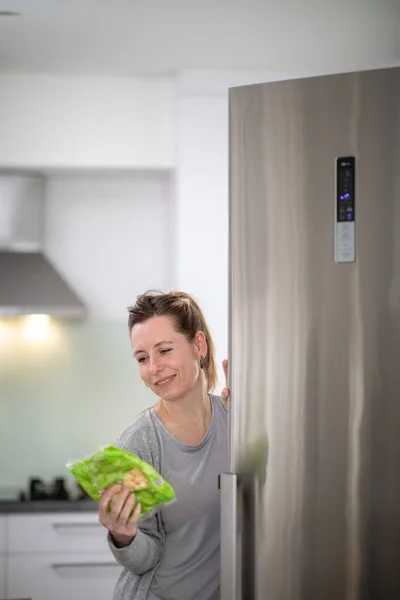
4,332
37,320
25,333
38,328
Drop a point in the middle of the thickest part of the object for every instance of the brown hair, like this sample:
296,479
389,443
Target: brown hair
188,317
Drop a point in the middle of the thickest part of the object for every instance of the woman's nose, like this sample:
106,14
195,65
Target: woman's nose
154,366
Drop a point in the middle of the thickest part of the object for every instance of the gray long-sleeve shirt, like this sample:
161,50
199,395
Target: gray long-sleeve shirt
175,553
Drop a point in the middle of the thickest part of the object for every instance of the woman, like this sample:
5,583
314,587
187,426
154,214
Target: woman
174,554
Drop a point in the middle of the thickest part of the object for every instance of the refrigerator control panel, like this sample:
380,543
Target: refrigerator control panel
345,251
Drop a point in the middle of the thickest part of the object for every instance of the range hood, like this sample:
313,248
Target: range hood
29,283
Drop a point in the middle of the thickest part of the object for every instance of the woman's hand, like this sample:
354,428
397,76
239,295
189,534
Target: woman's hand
225,392
121,502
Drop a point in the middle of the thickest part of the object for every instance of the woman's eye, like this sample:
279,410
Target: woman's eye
166,350
141,359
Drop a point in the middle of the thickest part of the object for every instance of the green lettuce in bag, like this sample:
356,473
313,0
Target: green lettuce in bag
112,465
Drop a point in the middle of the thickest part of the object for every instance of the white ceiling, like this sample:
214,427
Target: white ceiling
152,37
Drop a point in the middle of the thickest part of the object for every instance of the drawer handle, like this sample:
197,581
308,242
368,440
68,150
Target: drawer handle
84,565
71,525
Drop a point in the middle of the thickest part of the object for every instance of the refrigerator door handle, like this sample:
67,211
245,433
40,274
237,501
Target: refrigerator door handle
239,536
249,519
229,562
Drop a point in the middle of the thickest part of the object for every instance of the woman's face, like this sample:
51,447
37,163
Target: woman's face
168,362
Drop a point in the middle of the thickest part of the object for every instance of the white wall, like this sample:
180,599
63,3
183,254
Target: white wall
108,235
202,210
85,122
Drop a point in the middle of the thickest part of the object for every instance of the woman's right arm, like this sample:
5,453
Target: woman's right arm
136,547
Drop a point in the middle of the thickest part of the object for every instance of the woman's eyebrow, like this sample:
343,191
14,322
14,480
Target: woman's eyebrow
155,346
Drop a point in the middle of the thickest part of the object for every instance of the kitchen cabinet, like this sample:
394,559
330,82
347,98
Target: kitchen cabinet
56,532
57,556
62,576
2,577
3,547
3,535
69,123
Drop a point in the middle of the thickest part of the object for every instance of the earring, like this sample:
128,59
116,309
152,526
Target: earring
202,360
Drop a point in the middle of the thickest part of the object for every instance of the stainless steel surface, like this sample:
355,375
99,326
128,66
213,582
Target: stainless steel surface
33,286
22,208
229,570
30,282
248,539
315,345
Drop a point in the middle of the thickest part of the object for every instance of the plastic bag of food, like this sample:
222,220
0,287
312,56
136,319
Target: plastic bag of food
111,465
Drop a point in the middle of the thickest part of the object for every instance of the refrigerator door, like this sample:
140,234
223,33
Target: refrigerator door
315,336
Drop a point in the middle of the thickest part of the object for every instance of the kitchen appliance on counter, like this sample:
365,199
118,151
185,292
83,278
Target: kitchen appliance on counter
310,507
55,490
47,497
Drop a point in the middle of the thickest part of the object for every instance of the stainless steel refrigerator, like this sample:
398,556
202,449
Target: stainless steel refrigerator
311,502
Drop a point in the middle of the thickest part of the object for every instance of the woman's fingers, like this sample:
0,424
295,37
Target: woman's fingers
125,515
132,523
108,494
225,392
106,498
118,502
118,513
225,368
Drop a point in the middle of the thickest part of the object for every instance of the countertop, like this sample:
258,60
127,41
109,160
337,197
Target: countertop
47,506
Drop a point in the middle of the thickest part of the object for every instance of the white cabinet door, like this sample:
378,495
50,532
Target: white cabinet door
83,576
3,547
3,534
58,532
2,577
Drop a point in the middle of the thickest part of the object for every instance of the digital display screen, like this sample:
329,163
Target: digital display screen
345,189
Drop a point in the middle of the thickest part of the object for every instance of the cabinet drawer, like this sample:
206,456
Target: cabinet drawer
77,576
2,577
66,532
3,535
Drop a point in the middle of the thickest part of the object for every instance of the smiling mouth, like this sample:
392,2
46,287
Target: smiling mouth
164,382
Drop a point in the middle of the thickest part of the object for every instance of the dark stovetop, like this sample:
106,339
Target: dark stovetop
46,506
